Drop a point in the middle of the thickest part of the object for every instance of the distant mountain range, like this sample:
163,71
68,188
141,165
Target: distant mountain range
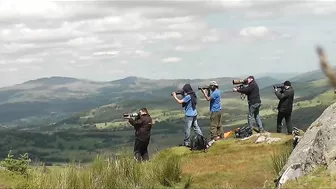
54,98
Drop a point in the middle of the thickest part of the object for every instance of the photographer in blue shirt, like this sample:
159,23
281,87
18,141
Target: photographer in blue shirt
189,102
216,128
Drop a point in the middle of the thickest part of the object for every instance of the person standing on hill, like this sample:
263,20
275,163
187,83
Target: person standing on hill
189,102
216,128
285,106
254,102
142,124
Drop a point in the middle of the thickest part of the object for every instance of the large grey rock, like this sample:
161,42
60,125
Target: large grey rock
317,147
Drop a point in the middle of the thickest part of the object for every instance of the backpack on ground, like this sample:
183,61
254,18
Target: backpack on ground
243,132
199,142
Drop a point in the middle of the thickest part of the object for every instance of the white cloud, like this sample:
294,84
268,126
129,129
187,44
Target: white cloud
79,41
28,60
9,69
171,59
188,48
112,53
259,31
142,53
52,37
168,35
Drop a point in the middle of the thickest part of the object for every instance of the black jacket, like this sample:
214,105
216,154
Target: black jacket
142,127
252,92
286,100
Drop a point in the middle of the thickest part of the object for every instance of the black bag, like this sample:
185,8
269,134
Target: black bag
243,132
199,143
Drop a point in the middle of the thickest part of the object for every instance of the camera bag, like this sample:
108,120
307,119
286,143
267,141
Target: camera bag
243,132
199,142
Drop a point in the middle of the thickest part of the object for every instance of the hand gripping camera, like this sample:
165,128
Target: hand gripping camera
280,86
178,92
205,88
240,84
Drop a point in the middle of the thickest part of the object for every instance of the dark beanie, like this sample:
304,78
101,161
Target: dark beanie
287,83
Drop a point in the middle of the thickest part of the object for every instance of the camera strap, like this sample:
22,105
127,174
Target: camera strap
242,96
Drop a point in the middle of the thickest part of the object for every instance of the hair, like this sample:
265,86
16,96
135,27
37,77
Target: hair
188,89
146,111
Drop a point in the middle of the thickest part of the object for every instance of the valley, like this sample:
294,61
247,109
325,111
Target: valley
79,119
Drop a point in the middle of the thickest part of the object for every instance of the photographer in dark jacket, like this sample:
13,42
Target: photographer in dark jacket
254,102
142,125
285,106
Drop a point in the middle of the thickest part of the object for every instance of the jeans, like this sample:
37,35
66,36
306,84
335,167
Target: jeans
191,121
216,128
287,117
254,114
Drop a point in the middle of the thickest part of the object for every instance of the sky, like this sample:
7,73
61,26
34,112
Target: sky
108,40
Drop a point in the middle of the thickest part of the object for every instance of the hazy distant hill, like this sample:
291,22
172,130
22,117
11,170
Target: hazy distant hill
279,76
310,76
57,97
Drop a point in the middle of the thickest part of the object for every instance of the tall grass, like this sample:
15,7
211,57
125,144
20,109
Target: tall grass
123,172
279,156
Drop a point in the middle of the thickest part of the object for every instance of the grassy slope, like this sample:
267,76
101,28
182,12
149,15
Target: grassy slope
227,164
231,164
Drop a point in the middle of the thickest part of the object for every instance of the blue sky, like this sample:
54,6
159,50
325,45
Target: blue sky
162,39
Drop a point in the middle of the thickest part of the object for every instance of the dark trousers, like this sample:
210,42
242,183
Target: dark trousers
140,150
287,117
216,128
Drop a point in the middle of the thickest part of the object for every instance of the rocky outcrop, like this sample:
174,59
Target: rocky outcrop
263,138
266,138
317,147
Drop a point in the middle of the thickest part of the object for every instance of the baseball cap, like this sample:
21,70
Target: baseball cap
214,83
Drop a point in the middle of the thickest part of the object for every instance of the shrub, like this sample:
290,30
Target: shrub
19,165
123,172
279,156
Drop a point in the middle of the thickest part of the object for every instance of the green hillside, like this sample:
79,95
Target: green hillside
54,98
101,128
48,100
229,163
167,109
61,142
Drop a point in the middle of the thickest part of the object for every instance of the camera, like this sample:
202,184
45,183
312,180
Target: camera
239,81
178,92
132,115
204,88
280,86
240,85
